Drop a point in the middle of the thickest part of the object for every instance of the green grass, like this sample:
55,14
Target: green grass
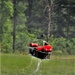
18,64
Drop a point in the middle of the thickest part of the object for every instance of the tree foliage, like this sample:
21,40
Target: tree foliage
6,25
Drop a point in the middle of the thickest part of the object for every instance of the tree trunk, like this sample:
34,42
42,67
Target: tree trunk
49,24
30,3
49,2
59,28
14,25
1,26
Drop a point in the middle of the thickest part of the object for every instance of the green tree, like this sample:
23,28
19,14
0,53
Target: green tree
6,25
21,33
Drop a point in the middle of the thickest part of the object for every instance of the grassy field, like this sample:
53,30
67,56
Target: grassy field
18,64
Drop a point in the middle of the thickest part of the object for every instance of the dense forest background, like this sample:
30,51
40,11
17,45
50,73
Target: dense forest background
22,21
